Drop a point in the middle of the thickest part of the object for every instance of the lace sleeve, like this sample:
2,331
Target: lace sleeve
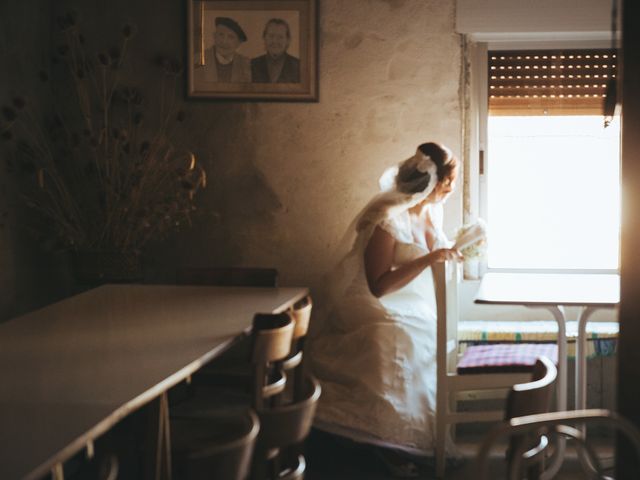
398,227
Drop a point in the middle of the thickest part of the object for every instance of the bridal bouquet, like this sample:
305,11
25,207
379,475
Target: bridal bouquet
471,239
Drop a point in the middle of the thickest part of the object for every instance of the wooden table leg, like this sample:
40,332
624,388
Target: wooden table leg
158,451
57,472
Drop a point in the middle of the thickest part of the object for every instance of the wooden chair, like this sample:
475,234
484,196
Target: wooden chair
194,422
228,276
460,376
293,364
524,399
270,343
217,445
272,336
282,427
568,424
232,367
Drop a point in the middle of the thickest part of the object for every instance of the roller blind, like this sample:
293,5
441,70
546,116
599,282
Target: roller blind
549,82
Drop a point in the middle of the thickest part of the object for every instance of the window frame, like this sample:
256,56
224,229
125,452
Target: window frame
476,189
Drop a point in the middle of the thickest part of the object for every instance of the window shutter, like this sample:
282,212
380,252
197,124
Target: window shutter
549,82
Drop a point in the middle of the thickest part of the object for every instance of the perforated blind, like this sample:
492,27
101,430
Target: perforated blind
549,82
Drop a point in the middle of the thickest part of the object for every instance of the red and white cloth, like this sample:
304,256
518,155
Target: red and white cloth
505,357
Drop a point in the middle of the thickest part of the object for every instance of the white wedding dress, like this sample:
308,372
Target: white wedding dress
375,358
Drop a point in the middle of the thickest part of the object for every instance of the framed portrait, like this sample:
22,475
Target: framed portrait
252,50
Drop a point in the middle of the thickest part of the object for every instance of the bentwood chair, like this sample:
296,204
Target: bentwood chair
270,343
478,373
529,427
293,365
283,428
530,398
216,445
201,439
231,369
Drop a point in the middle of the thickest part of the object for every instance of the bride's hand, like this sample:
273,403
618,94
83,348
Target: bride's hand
444,254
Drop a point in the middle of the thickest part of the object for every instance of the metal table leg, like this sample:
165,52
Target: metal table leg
561,391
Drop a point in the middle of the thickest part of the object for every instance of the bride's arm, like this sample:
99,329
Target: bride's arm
378,262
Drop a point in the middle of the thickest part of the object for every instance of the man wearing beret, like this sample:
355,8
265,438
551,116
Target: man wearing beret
222,62
277,66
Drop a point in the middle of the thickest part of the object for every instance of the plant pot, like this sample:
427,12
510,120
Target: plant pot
96,267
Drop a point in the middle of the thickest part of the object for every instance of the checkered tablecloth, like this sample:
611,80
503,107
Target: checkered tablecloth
602,336
505,357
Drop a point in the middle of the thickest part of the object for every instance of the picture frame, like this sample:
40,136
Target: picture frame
252,50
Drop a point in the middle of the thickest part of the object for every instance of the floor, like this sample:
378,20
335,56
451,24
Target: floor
333,458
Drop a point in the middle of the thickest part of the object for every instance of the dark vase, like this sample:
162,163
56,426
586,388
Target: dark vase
97,267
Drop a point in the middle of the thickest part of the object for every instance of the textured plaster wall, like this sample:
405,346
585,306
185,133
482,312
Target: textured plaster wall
285,179
29,278
288,178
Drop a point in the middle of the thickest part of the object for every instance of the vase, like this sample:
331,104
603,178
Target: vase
96,267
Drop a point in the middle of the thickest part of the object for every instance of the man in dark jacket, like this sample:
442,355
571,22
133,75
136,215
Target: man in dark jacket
276,66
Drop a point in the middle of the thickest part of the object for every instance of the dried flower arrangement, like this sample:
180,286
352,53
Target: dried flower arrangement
100,174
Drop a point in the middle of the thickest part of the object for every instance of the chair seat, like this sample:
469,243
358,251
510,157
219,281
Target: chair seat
505,357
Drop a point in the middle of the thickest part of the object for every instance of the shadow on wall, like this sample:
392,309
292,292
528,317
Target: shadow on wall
238,203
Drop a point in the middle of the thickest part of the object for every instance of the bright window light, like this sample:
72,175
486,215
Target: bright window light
553,192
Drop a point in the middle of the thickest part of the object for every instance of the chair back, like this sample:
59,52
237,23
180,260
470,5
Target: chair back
446,276
301,313
282,429
293,364
220,445
271,338
533,397
228,276
526,399
289,424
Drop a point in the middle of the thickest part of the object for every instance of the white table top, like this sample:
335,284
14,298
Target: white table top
549,289
73,369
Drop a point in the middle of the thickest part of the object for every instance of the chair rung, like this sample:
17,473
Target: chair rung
468,417
292,362
276,387
485,381
296,473
489,394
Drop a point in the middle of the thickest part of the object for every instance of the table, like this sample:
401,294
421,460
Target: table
553,292
72,370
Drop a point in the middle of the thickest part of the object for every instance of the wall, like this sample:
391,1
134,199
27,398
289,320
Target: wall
29,277
509,18
288,178
285,179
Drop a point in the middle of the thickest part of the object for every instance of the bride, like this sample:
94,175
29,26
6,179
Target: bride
374,350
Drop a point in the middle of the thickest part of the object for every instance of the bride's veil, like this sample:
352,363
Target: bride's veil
392,200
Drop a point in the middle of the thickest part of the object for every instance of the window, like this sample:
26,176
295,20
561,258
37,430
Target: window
552,192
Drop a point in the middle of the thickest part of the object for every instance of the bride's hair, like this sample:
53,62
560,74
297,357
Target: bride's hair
410,175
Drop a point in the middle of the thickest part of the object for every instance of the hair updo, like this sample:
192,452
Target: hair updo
409,175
